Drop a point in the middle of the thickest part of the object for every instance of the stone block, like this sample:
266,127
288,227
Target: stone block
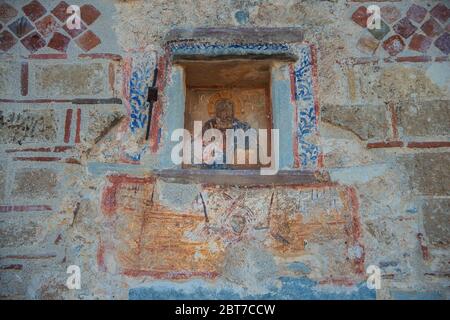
35,183
16,234
62,80
428,173
2,180
9,79
436,221
429,118
100,123
367,122
18,127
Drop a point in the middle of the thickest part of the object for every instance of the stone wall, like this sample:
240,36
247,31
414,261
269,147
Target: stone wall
79,183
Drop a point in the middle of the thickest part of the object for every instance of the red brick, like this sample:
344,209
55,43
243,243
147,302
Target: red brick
21,27
45,56
111,76
30,257
78,127
7,40
75,32
59,42
46,26
42,149
62,148
429,144
60,11
39,159
420,43
416,13
440,12
24,208
11,267
414,59
443,43
89,14
360,16
88,41
423,246
390,14
33,42
110,56
34,10
68,125
383,144
24,78
405,28
7,12
431,27
394,45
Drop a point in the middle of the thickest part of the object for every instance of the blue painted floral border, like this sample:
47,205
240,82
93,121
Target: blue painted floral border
142,70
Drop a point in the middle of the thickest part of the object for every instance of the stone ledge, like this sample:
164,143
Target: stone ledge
243,177
238,35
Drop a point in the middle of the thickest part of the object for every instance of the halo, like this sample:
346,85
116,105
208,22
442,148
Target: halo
222,95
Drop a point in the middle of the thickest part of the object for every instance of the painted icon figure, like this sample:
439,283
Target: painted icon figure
224,119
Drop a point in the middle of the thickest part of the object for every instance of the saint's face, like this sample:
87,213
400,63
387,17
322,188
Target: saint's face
224,114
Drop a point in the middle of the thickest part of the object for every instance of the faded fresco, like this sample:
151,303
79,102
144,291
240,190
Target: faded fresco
87,179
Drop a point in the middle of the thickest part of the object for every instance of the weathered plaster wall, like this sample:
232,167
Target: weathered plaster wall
76,186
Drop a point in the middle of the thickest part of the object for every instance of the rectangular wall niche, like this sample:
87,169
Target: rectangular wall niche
225,94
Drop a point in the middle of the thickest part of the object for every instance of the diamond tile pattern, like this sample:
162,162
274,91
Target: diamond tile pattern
21,27
88,41
33,42
405,28
34,10
416,13
440,12
59,42
417,29
7,40
443,43
89,14
38,25
432,28
60,11
7,12
380,33
47,25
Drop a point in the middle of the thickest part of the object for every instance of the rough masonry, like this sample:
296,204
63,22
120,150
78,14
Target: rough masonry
365,152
